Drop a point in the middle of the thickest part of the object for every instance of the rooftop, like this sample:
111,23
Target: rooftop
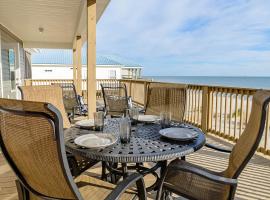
64,56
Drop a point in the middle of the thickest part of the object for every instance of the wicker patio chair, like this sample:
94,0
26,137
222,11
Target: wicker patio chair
169,97
53,94
194,182
32,142
166,97
48,94
115,99
72,101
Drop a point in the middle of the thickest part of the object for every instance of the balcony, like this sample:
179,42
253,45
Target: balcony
222,112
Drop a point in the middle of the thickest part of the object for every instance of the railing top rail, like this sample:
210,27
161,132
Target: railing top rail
142,81
192,85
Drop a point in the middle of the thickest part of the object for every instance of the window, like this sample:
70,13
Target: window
11,60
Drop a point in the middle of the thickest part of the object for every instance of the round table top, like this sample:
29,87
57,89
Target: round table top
146,144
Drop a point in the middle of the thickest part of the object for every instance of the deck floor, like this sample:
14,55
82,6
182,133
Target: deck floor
254,182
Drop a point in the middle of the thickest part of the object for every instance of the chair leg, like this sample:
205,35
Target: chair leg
23,194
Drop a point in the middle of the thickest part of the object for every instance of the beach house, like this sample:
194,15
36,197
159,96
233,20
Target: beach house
57,64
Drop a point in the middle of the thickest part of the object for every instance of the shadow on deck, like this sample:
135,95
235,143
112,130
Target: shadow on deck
254,182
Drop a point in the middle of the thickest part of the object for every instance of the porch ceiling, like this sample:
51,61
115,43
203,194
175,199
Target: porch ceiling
61,20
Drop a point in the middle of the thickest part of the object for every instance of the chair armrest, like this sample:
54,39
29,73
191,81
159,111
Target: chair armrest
200,172
218,148
125,184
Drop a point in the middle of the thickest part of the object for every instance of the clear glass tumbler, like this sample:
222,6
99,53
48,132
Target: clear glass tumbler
165,119
99,120
134,115
125,130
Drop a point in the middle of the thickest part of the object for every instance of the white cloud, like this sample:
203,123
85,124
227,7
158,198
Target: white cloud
182,37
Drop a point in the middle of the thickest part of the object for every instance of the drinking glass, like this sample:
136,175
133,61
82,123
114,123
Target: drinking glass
165,119
99,120
134,115
125,130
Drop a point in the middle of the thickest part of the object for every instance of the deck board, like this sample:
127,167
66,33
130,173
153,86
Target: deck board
254,182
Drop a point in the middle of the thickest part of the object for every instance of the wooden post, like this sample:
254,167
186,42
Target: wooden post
91,57
205,107
79,64
145,93
75,69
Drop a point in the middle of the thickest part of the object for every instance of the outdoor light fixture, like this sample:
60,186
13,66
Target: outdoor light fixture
41,30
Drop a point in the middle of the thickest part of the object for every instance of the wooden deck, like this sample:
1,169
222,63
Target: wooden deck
254,182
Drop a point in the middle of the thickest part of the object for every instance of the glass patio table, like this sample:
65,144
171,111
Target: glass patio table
146,145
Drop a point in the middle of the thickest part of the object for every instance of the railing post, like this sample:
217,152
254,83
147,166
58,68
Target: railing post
130,87
145,93
205,109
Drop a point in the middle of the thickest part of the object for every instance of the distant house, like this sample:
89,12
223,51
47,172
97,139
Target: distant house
58,64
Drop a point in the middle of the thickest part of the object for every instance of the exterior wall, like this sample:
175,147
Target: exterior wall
12,65
66,72
52,72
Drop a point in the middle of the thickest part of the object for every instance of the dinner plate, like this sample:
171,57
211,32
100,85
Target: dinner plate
148,118
96,141
86,123
180,134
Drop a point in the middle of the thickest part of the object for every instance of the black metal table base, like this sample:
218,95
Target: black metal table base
116,173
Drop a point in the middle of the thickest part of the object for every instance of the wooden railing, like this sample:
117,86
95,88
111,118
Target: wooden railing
109,82
223,111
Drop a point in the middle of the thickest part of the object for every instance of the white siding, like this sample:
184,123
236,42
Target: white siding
7,44
66,72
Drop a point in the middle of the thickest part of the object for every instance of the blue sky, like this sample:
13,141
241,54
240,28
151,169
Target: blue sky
189,37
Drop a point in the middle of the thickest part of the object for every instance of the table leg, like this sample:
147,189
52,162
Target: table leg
113,175
124,170
163,167
103,174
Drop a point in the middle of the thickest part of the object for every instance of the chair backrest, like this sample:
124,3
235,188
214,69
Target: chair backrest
249,140
115,98
49,94
69,96
166,97
32,140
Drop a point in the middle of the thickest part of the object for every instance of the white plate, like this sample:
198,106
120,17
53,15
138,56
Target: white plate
96,141
148,118
181,134
86,123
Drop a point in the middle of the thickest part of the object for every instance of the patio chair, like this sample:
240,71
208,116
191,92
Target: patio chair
169,97
194,182
49,94
73,102
115,99
166,97
32,142
53,94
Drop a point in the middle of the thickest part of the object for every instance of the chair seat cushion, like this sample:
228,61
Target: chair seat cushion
194,186
93,188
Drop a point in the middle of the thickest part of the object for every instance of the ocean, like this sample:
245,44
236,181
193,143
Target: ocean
241,82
